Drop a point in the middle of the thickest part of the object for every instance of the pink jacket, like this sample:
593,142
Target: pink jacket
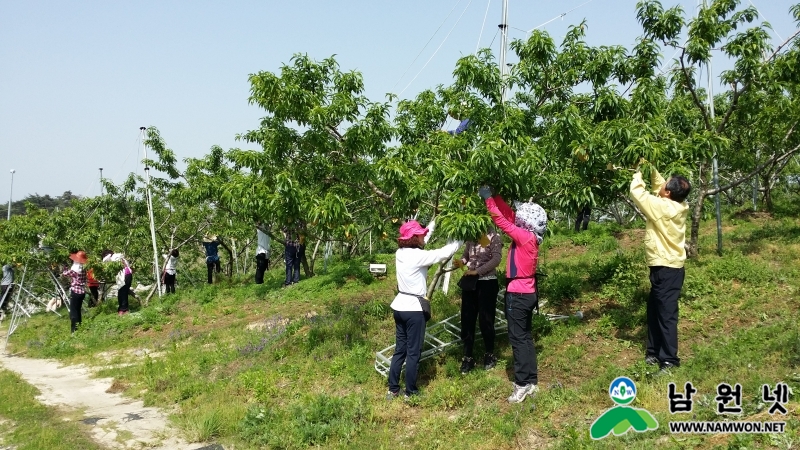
523,254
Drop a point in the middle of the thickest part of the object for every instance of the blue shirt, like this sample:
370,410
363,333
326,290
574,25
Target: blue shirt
461,127
211,251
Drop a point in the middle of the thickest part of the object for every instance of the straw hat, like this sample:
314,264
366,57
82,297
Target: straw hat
79,257
210,238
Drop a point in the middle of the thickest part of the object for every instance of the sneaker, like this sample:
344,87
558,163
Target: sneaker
651,360
467,364
489,361
520,392
666,368
392,395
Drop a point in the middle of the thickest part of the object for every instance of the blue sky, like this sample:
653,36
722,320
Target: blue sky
78,80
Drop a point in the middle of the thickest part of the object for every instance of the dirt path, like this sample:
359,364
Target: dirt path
116,422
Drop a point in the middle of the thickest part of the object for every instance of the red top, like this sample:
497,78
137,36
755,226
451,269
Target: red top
523,254
91,281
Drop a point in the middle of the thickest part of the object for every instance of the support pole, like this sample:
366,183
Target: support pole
10,193
102,219
503,47
714,163
156,271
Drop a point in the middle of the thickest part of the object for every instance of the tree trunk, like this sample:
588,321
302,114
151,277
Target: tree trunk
229,266
768,205
314,255
308,271
440,271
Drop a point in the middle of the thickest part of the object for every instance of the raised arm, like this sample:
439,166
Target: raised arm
517,234
647,203
656,181
430,228
428,258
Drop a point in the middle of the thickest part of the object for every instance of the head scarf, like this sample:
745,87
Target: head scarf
531,217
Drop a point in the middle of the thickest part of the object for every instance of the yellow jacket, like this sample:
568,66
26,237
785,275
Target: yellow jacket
665,233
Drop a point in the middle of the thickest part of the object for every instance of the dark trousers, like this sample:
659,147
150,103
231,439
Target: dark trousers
479,305
662,313
409,337
75,305
211,266
94,298
583,217
262,265
6,290
169,282
124,292
519,313
291,256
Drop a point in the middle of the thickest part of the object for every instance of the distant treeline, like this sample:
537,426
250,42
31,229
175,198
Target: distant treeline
40,201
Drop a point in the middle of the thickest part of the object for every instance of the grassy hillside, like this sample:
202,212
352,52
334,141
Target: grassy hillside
259,366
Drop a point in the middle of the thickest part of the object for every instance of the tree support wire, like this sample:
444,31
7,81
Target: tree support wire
447,333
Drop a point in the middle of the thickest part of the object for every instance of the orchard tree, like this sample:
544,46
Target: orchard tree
694,135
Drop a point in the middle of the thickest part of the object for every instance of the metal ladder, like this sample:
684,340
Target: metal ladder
447,333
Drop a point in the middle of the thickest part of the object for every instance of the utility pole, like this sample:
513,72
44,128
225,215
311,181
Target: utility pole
10,193
156,271
101,195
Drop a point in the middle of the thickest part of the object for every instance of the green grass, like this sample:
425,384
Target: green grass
26,424
305,378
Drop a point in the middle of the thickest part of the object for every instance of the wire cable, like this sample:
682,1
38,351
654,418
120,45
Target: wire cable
483,26
560,15
437,48
765,19
426,44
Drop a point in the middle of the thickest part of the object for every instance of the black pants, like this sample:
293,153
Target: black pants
583,217
409,337
169,282
662,313
75,305
479,305
262,265
124,292
519,313
292,255
8,291
94,298
211,266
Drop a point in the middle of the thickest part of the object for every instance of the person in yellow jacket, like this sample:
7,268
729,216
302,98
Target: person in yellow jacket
665,235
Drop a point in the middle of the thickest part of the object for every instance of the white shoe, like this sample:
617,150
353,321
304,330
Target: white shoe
520,392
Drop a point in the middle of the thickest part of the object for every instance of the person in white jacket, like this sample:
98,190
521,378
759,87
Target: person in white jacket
412,263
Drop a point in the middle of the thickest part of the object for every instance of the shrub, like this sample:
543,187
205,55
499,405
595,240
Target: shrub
560,286
735,266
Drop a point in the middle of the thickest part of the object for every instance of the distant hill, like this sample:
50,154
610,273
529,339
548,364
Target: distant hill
42,201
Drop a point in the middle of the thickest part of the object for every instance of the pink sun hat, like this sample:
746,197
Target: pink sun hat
410,229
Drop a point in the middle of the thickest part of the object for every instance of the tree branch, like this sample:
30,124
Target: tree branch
756,171
689,86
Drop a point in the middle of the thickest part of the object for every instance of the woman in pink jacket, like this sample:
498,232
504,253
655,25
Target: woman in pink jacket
526,229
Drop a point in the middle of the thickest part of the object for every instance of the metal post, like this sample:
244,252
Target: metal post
102,219
503,47
755,183
156,271
714,165
10,194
